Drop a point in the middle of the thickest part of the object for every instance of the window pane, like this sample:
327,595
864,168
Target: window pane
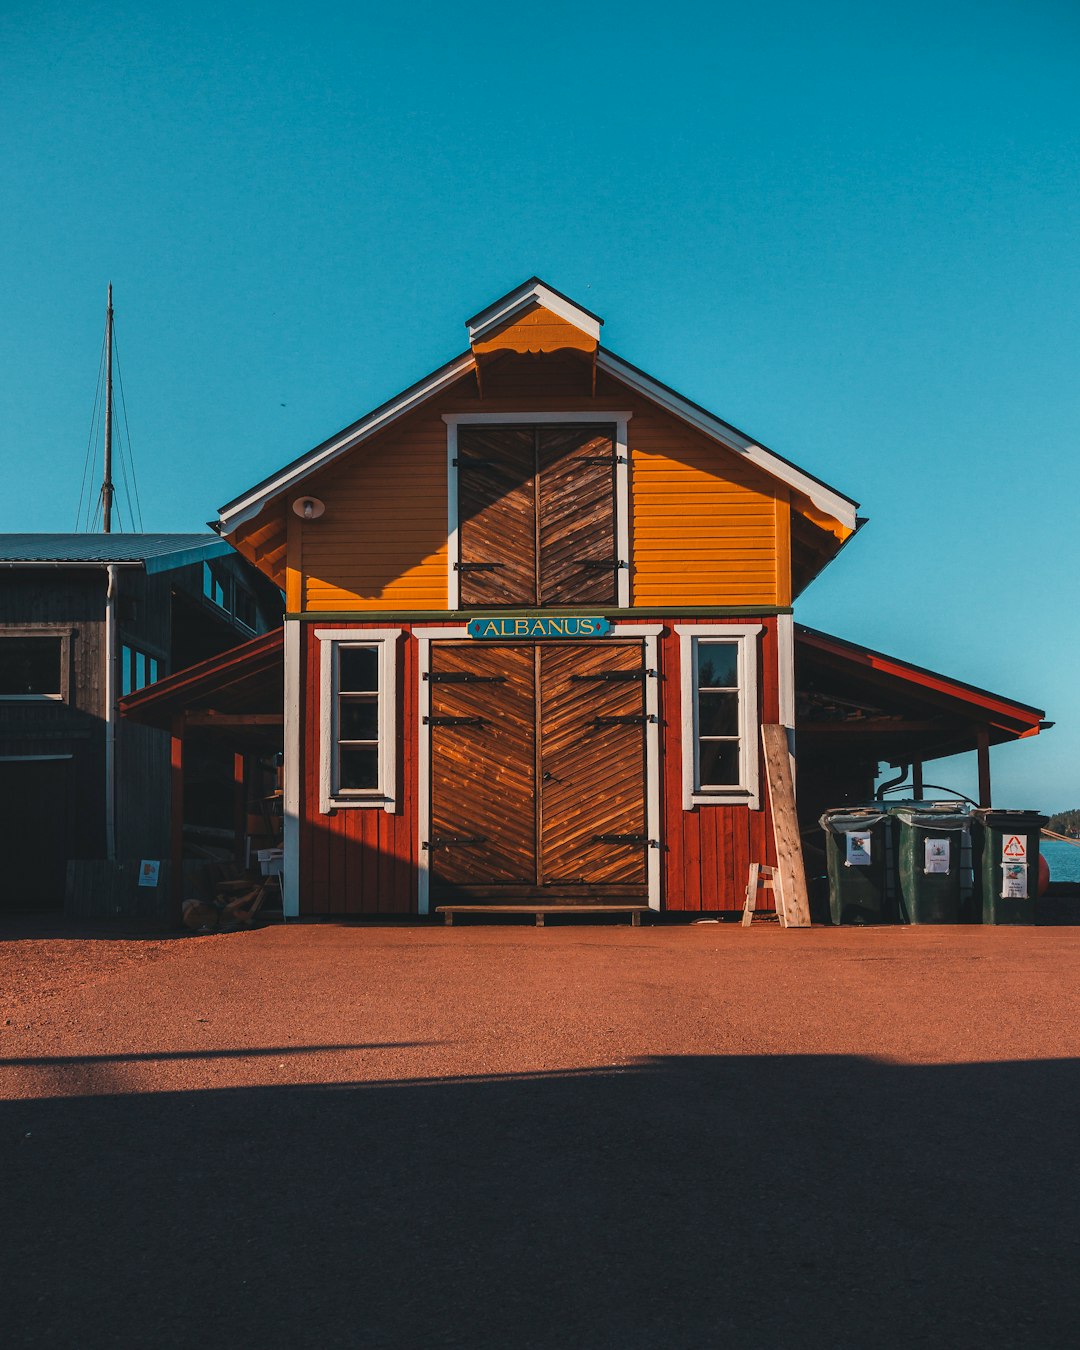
359,720
245,607
29,665
718,714
358,672
717,665
359,767
153,669
140,670
125,669
719,764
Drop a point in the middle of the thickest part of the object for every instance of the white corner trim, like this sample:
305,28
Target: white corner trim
748,791
650,632
292,772
785,683
618,419
424,638
386,640
532,293
236,513
785,660
824,498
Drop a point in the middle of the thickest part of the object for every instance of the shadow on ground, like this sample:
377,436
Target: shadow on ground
779,1202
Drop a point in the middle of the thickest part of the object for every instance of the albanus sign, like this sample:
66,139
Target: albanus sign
553,627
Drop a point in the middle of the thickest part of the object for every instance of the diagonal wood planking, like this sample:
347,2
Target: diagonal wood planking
483,778
497,515
577,515
593,776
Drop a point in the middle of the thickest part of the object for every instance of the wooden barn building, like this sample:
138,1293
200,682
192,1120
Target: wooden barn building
86,619
539,607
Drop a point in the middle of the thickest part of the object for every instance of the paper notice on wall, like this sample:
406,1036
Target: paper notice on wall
936,856
1014,881
148,872
1014,848
858,848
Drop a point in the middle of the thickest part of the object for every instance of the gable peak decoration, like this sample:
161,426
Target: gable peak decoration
534,317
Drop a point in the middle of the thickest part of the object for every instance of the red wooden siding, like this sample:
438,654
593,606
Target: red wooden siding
363,860
708,850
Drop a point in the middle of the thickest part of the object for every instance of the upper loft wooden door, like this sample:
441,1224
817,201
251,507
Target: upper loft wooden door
536,516
576,509
496,516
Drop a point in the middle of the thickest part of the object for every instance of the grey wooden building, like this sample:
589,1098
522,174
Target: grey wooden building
84,620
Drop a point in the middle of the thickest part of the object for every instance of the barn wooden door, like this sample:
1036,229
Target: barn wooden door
592,767
536,516
537,772
483,766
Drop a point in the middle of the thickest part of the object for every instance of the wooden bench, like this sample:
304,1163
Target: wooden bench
635,911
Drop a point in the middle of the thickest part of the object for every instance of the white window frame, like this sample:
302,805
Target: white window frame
385,793
63,635
748,790
622,486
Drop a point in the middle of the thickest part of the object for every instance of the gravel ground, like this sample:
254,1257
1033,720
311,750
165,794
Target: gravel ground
335,1135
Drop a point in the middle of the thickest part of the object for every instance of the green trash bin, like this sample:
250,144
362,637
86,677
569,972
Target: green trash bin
860,859
1006,859
932,861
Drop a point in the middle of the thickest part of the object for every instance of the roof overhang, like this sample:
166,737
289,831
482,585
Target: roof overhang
824,498
530,293
893,711
241,690
246,507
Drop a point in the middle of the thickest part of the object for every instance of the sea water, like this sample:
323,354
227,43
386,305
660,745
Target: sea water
1064,859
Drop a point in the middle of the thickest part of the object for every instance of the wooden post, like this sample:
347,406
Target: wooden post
916,779
790,876
176,781
239,807
984,766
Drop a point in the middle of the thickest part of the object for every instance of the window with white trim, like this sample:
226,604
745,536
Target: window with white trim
720,724
358,749
31,667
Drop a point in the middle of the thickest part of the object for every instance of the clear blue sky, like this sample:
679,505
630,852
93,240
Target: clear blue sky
850,229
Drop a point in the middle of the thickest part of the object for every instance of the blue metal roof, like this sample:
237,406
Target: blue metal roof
157,552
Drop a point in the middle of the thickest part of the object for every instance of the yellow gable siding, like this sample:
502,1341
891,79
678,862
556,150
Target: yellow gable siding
382,542
707,528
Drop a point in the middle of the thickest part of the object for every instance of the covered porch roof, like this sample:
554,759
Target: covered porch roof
858,701
240,693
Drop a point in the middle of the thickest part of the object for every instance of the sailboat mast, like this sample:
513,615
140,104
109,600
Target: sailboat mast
107,483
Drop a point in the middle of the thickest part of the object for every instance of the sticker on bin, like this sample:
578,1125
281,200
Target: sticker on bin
1014,848
1014,883
936,856
858,848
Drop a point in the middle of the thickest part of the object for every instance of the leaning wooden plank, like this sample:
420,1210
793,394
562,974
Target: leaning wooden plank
790,879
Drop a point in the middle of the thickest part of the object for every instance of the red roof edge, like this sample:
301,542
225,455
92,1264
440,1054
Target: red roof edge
146,705
995,704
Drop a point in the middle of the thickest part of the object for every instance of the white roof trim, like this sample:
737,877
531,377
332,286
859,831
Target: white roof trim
244,508
824,498
533,292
